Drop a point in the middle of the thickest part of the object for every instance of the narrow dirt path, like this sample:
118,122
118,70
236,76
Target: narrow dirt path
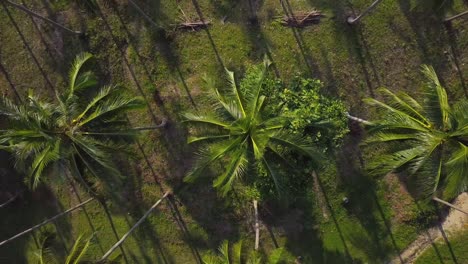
455,221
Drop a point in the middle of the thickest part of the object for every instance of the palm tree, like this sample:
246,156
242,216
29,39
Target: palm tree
80,130
228,255
47,253
243,134
428,141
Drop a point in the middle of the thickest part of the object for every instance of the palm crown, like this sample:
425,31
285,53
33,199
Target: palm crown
430,138
81,125
242,133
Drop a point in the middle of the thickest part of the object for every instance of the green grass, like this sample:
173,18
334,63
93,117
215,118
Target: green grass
386,49
455,251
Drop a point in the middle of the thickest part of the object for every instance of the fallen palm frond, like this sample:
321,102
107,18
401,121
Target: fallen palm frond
190,23
301,19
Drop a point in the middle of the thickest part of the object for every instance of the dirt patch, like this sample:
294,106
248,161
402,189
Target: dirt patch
399,199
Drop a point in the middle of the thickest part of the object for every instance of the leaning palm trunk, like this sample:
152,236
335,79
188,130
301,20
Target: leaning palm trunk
45,222
456,16
26,10
449,204
133,227
9,200
351,20
257,230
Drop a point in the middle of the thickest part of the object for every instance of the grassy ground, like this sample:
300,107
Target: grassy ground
167,68
442,252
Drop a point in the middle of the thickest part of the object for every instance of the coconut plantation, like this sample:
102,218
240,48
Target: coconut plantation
233,131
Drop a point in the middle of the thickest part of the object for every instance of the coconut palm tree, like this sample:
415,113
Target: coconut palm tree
48,254
80,130
241,133
234,254
427,140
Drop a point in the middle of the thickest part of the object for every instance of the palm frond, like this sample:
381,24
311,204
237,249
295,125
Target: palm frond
272,173
210,155
457,167
298,144
78,250
80,60
437,106
103,93
50,154
237,253
112,107
193,139
411,121
408,108
234,170
235,92
205,119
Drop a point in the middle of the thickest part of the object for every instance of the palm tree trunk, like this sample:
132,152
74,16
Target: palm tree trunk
357,119
24,9
46,222
133,228
162,124
257,230
9,200
449,204
351,20
455,16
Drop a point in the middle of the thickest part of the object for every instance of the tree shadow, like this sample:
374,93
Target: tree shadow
310,63
353,38
251,25
28,48
163,45
31,208
303,237
428,31
363,203
9,81
207,30
452,36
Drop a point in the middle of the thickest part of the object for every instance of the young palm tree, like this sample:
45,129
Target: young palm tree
228,255
48,254
242,134
429,141
81,129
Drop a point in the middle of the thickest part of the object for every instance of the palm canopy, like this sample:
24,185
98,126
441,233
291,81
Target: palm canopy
242,133
83,125
429,140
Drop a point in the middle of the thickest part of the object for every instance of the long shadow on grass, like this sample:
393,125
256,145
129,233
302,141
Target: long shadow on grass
364,205
429,32
9,81
29,209
207,30
354,40
305,52
162,44
28,48
251,25
452,35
